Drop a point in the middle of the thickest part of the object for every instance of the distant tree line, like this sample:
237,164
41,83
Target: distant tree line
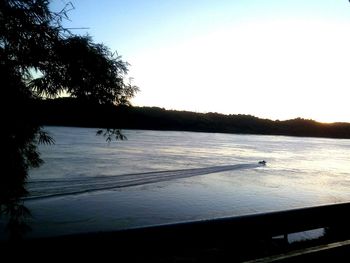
83,113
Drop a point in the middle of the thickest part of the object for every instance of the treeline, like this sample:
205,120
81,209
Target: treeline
73,112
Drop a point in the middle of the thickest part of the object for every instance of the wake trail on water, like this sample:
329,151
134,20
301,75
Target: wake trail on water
58,187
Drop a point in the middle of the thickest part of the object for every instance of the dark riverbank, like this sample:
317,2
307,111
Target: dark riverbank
71,112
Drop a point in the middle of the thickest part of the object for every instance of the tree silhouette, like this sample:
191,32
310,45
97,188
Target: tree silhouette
39,59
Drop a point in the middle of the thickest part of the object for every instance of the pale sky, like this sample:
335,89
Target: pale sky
276,59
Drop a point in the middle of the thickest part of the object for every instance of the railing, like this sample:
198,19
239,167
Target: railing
256,225
243,237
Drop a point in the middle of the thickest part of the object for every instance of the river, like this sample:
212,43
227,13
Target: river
160,177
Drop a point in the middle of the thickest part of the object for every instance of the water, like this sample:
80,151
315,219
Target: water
158,177
55,187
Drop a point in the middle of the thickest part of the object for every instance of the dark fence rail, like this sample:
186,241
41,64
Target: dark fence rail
256,225
238,238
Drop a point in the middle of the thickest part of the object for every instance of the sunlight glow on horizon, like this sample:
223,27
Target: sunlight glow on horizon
271,59
272,69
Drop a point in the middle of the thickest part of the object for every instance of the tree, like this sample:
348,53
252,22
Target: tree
39,59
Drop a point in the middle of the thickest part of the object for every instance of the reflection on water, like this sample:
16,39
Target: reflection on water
300,172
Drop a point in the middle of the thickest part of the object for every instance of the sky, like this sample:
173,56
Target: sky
276,59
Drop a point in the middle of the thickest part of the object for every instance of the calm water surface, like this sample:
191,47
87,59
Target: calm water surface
158,177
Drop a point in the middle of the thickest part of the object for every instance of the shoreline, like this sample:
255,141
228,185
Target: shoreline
73,112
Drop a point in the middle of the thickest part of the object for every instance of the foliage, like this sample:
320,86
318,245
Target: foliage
70,111
40,59
109,134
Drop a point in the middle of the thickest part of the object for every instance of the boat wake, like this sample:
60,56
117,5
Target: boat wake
57,187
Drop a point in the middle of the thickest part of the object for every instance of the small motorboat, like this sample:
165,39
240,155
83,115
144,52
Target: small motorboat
262,162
